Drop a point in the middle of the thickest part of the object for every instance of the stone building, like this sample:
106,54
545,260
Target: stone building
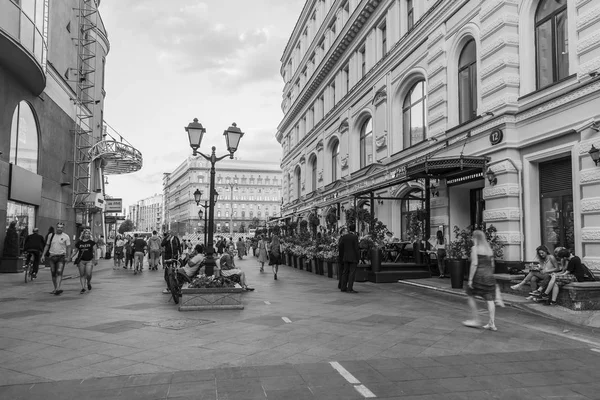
478,112
249,194
54,148
147,214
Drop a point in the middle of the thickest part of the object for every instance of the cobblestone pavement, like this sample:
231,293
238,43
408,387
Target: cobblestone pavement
297,338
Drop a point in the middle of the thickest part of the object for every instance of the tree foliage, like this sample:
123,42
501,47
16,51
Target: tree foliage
126,226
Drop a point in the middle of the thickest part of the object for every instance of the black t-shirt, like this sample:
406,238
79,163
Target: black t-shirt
575,268
139,245
86,249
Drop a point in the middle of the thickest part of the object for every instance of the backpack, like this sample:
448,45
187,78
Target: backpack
588,275
154,243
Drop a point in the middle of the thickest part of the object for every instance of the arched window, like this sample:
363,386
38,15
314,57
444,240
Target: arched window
366,143
467,82
412,202
24,138
551,42
313,173
335,155
413,114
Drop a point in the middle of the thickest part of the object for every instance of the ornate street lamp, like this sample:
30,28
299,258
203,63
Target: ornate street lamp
197,196
233,134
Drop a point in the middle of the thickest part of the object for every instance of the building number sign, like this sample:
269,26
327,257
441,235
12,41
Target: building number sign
496,136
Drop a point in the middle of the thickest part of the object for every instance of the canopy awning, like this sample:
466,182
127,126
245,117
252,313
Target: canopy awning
450,168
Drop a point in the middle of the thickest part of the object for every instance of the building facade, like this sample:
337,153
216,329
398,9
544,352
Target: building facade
147,214
479,112
249,194
54,149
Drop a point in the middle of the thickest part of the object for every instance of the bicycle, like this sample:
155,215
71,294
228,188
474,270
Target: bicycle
28,267
173,278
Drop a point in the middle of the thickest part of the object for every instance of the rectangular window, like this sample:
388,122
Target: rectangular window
383,33
362,60
346,77
556,204
410,15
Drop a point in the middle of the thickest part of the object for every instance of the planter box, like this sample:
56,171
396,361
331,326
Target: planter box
295,261
211,299
11,264
300,262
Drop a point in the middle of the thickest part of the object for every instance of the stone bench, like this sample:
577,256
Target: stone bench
575,296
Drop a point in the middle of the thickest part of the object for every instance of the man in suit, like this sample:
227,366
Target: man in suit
348,256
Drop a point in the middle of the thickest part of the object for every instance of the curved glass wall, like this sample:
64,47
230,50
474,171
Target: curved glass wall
23,20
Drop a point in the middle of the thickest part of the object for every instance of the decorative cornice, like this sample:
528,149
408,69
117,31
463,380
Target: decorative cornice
488,7
500,22
592,263
505,190
590,205
497,102
510,237
499,63
508,40
574,95
502,167
508,80
590,234
589,43
435,53
586,145
502,214
588,19
589,176
590,66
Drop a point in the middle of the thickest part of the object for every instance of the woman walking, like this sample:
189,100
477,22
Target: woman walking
275,254
128,252
440,247
119,245
481,281
86,259
262,253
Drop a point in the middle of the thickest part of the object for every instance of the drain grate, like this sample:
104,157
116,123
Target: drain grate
178,324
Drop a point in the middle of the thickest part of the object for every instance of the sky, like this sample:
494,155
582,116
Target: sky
173,61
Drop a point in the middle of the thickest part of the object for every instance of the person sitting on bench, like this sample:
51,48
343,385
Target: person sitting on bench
227,268
195,261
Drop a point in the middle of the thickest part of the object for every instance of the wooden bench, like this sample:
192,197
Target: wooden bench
577,296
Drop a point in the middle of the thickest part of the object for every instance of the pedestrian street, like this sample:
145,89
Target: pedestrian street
298,337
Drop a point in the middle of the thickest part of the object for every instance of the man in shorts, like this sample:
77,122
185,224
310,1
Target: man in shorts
139,251
58,246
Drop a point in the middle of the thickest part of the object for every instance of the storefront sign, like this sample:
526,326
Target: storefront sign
25,186
113,205
496,136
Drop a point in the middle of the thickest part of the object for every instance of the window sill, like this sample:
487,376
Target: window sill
540,95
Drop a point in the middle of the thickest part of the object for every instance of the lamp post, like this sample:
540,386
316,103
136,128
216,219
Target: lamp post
233,134
198,199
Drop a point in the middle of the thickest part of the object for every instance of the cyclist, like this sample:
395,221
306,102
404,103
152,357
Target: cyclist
34,245
172,248
59,245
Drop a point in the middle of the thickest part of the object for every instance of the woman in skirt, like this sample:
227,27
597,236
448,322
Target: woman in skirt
275,255
262,253
481,281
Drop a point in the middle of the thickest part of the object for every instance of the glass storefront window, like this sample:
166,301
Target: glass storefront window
24,215
24,138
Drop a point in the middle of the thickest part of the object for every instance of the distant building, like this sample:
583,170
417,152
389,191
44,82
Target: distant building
249,194
147,214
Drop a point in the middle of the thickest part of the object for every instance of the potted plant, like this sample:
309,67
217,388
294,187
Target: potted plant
211,293
457,258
